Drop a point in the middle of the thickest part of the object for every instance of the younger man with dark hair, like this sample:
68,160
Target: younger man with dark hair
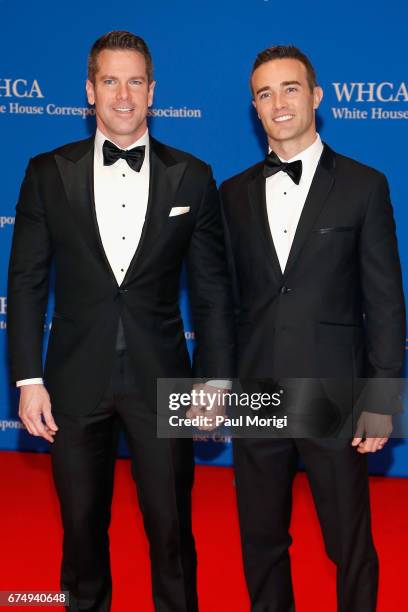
318,282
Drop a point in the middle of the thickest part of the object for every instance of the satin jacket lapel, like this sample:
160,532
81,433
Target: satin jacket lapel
257,198
320,188
77,174
165,176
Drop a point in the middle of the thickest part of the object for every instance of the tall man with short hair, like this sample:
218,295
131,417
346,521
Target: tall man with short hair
318,284
117,213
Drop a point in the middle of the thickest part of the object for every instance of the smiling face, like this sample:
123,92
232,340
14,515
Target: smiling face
286,105
122,95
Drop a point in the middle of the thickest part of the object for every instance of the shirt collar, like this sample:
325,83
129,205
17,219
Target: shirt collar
309,157
100,139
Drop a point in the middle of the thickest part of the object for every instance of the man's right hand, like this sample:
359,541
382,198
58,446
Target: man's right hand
35,411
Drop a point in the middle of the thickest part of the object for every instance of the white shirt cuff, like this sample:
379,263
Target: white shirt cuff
221,384
29,381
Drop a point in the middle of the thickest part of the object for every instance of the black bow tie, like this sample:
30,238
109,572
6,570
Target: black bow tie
273,164
134,157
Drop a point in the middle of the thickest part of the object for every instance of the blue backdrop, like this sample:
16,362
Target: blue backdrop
203,53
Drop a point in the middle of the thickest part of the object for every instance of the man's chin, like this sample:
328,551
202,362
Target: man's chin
284,132
133,132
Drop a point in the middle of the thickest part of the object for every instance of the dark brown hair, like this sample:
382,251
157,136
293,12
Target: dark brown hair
119,40
286,52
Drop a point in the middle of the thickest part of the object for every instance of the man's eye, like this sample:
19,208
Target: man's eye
108,81
135,82
291,89
264,94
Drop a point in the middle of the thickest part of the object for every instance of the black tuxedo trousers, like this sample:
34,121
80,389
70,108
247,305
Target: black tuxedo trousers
83,460
337,475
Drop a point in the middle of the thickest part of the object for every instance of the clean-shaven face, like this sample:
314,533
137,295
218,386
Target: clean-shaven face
285,104
121,94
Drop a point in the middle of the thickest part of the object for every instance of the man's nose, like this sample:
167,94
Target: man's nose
123,91
279,101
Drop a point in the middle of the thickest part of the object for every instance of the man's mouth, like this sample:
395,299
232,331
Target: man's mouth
123,109
283,118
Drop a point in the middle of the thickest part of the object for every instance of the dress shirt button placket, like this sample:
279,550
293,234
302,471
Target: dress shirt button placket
121,166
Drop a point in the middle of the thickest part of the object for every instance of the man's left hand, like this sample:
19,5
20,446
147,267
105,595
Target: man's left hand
372,432
210,404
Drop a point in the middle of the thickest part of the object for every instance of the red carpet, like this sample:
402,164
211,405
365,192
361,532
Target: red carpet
31,533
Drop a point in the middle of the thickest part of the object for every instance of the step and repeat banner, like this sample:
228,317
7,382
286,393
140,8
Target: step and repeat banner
202,53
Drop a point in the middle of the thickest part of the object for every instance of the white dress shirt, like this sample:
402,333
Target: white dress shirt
285,200
121,197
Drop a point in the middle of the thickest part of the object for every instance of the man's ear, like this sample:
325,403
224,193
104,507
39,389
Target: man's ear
317,96
152,85
90,92
254,105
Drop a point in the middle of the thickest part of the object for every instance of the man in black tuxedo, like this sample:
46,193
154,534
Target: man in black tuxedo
318,287
117,214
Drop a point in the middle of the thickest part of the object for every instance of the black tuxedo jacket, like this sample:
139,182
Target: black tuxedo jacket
338,310
56,222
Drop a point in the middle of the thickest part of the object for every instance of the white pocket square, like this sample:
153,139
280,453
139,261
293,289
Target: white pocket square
179,210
